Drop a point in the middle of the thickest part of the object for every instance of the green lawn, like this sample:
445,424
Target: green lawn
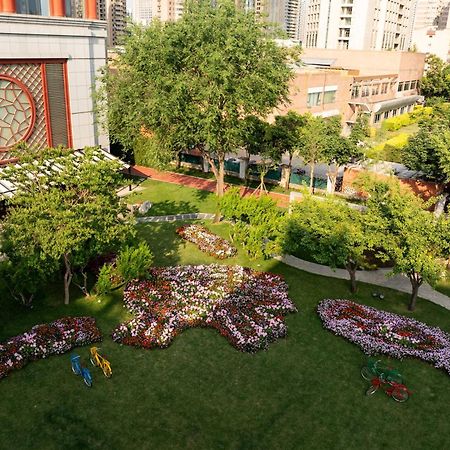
304,392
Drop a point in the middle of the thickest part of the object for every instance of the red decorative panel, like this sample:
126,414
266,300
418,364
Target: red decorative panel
17,112
28,77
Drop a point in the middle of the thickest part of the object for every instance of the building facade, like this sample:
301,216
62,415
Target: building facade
48,69
350,82
431,32
358,24
141,12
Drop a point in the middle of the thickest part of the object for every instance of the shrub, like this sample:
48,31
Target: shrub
391,150
395,123
257,222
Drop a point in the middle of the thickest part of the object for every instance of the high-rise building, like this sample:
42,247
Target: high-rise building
431,32
141,12
116,13
166,10
359,24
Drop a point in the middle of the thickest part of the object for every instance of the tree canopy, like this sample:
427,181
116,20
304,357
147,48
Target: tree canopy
436,82
61,219
190,83
428,151
406,231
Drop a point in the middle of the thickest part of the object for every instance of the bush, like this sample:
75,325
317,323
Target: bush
257,222
391,150
395,123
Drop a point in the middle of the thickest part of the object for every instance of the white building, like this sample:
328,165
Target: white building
359,24
48,70
432,28
141,11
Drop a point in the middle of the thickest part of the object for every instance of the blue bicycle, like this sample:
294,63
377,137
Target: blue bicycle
77,369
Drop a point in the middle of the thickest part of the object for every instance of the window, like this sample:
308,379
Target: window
400,86
356,91
384,88
394,112
386,115
375,89
314,99
406,86
329,97
365,91
377,118
413,84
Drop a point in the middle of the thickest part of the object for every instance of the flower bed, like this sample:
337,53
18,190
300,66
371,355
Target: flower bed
378,331
245,306
44,340
206,241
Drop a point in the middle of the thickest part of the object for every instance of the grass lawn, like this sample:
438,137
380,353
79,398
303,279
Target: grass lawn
304,392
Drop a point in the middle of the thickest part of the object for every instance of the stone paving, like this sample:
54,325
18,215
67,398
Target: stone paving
175,217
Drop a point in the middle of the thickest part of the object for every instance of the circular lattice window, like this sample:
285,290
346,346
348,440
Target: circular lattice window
17,112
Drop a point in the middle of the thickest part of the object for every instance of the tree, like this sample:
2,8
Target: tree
428,151
338,151
406,231
67,208
436,82
319,138
330,231
193,81
286,137
258,140
360,130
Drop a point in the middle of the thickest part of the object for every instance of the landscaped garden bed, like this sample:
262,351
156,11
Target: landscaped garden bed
45,340
245,306
381,332
206,241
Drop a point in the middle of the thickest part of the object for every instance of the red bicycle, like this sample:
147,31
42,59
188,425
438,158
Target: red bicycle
399,392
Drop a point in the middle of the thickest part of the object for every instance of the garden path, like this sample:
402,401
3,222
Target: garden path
198,183
377,277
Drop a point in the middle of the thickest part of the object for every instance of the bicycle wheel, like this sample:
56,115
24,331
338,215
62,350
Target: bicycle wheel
107,371
400,395
74,370
367,374
92,361
372,389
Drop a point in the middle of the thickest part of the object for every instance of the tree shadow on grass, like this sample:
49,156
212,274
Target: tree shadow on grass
163,240
169,207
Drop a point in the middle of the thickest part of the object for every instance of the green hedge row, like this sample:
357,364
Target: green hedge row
395,123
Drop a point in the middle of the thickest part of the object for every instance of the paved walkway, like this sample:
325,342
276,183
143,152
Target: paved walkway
377,277
175,217
199,183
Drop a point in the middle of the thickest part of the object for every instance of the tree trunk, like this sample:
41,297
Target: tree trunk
84,288
67,279
351,269
416,282
288,173
311,174
332,176
178,161
220,186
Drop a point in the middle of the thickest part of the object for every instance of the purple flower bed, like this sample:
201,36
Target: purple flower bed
44,340
383,332
206,241
245,306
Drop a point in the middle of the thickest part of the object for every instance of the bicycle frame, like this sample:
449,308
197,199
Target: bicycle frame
100,361
77,369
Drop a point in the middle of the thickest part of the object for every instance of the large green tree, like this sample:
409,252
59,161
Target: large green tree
64,213
331,232
436,82
406,231
193,81
428,151
286,137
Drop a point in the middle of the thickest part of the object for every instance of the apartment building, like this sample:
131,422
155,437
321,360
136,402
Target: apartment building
431,32
48,68
167,10
358,24
381,84
141,11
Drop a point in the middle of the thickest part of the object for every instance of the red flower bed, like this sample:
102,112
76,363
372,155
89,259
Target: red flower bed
45,340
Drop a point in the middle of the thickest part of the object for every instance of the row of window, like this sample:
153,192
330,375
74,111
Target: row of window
407,85
365,90
319,98
392,113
